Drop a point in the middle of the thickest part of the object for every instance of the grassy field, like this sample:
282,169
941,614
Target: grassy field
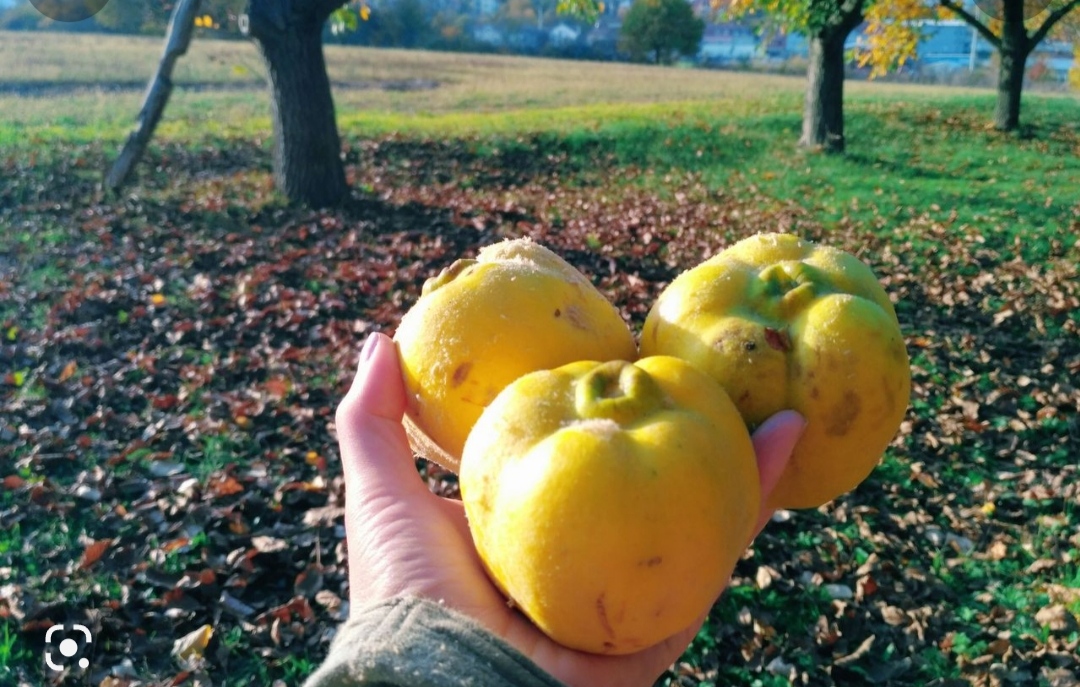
368,83
171,358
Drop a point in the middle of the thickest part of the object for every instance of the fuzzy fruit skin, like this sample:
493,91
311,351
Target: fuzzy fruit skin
482,324
783,323
611,501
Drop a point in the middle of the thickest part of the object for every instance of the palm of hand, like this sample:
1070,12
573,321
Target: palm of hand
404,540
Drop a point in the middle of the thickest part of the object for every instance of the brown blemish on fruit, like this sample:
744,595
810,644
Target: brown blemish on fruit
749,345
843,414
577,318
744,397
887,394
652,562
815,392
558,313
608,646
778,339
601,611
460,374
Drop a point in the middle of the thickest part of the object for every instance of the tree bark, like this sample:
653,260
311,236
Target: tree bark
1010,88
1013,53
307,150
823,110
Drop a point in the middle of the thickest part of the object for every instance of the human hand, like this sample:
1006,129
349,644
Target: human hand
405,541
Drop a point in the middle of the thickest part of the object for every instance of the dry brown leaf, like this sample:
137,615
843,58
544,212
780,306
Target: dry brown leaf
894,616
93,552
68,371
1056,618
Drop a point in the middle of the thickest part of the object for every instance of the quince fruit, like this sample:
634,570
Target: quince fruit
481,324
611,501
782,323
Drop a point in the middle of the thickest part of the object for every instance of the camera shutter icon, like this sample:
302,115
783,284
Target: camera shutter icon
75,640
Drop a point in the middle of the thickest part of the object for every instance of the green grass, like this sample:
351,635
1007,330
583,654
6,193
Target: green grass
13,652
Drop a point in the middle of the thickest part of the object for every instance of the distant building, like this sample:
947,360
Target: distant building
785,45
726,43
1056,57
949,45
952,45
488,35
527,39
562,35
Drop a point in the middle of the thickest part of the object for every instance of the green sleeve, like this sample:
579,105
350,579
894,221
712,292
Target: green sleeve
406,642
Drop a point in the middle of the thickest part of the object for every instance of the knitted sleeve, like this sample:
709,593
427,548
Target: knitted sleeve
407,642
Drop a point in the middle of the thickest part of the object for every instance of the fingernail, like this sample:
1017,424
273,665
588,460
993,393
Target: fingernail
369,347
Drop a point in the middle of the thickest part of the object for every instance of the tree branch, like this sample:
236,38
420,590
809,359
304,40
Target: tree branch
177,40
852,11
972,20
1055,16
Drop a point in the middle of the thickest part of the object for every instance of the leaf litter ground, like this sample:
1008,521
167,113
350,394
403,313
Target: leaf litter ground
172,360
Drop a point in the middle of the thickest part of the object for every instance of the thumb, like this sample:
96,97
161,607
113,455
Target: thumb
774,442
375,452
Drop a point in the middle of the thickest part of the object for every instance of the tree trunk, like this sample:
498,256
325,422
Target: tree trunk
823,111
307,150
1013,53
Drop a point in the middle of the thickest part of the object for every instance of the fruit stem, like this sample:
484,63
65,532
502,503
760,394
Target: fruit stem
788,287
617,390
447,275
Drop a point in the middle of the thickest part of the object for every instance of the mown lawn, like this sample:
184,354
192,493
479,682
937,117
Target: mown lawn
171,358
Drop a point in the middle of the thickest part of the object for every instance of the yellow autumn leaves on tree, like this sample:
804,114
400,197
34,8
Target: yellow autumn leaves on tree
1074,73
892,34
893,29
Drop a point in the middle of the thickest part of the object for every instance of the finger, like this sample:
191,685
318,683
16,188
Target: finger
375,451
774,442
377,389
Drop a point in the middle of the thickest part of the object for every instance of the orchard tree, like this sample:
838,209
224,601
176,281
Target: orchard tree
826,24
1014,28
660,30
307,149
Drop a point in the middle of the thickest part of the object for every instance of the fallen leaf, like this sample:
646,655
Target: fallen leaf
191,646
93,553
264,544
68,371
1056,618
